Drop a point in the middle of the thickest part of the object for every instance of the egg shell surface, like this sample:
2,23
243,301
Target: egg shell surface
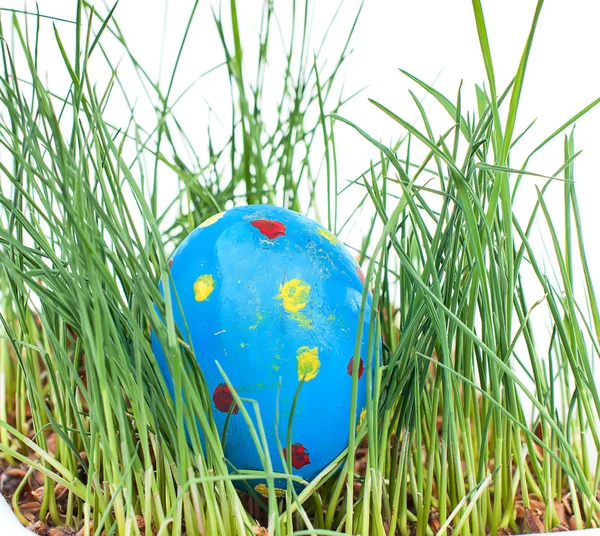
274,298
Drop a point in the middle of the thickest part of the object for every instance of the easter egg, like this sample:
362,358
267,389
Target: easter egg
274,298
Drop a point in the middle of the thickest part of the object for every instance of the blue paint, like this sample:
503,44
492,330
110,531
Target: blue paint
266,300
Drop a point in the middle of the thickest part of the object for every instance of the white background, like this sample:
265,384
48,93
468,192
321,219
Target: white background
433,39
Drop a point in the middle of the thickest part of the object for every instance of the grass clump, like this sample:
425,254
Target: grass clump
472,423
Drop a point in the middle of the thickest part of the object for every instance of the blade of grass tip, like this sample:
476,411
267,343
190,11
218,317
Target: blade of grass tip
515,97
522,134
385,150
36,14
330,197
564,126
591,293
484,124
509,170
444,101
418,134
459,121
15,498
105,22
427,124
489,67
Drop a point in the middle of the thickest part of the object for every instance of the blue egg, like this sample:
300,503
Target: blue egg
275,299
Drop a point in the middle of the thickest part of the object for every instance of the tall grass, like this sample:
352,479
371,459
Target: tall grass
469,417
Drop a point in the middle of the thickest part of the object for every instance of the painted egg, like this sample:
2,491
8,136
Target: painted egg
274,298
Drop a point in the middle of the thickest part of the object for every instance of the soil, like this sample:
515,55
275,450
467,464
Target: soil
31,494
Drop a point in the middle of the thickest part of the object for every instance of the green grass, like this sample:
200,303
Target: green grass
469,412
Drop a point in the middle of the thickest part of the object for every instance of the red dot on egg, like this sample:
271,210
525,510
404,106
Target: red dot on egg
360,274
270,228
300,456
361,367
223,399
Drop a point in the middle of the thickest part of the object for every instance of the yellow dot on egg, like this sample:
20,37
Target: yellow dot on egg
327,235
308,363
363,414
302,319
264,490
203,286
212,219
294,295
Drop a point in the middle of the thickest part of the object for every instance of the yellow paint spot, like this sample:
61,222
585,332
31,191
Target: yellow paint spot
203,286
294,295
243,345
259,319
212,219
302,319
363,414
327,235
308,363
264,490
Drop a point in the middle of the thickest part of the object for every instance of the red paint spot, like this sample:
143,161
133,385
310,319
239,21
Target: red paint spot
361,367
300,456
223,399
360,274
270,228
170,263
